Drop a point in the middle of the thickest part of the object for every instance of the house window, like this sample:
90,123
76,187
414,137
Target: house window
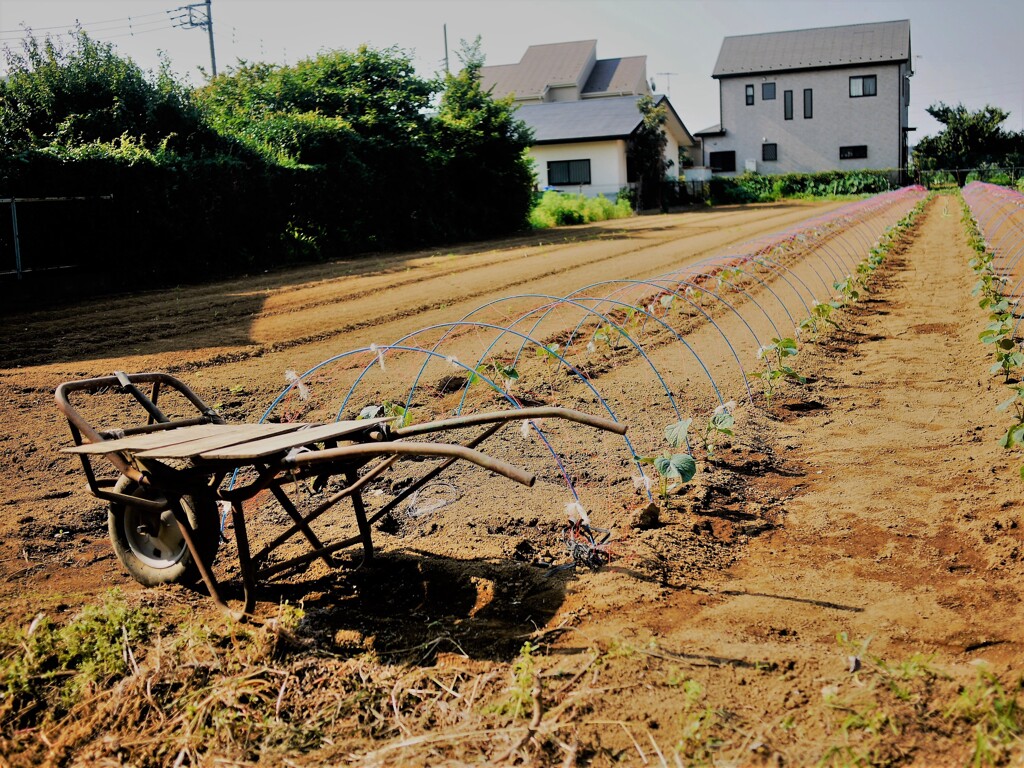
749,90
853,152
808,103
769,152
767,91
562,173
787,104
724,162
863,85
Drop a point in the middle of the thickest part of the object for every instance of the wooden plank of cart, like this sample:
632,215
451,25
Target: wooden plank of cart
163,519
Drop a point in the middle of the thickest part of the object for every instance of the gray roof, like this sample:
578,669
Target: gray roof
615,117
541,66
566,64
824,47
711,130
616,75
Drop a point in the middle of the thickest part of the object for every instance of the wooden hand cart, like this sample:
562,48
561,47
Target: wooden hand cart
163,518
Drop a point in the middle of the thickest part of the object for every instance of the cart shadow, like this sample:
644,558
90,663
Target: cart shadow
411,606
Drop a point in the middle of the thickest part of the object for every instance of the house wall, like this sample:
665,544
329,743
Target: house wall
806,145
672,153
607,165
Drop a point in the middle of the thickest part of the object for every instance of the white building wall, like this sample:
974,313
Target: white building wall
672,153
607,165
807,145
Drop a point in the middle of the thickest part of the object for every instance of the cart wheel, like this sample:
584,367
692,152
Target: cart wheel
150,544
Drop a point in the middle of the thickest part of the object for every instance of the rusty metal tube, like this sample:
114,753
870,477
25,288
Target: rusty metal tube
540,412
413,449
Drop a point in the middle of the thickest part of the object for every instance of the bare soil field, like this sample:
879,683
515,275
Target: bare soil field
839,585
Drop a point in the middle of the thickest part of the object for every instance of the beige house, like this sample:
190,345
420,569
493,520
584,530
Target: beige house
812,100
582,111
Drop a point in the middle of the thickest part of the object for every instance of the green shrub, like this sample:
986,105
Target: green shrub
45,662
758,188
555,209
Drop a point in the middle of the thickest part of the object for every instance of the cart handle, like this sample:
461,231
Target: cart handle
540,412
413,449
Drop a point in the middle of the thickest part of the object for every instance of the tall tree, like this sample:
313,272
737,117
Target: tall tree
969,140
646,152
482,148
57,96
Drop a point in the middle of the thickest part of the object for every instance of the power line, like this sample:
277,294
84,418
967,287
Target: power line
123,19
98,33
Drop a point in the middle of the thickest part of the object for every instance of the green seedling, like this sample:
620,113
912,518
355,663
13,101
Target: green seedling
548,353
848,288
1014,437
719,424
726,276
999,333
608,334
772,355
495,369
674,468
821,313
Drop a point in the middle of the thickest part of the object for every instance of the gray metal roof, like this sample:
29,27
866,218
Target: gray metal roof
820,48
541,66
614,117
566,64
625,75
711,130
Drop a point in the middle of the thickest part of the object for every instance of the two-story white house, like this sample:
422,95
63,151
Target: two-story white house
583,111
832,98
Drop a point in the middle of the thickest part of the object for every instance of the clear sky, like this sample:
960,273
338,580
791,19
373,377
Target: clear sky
965,51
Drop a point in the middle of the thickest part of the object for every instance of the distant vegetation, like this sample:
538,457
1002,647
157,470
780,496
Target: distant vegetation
971,145
338,154
755,188
556,209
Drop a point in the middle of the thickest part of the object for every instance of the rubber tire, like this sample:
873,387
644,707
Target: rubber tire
178,566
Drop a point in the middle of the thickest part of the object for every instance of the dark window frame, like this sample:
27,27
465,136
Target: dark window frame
770,152
787,105
726,167
853,152
808,103
748,94
768,91
569,173
864,80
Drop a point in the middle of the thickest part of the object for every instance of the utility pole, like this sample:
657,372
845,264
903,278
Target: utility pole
198,15
668,82
446,49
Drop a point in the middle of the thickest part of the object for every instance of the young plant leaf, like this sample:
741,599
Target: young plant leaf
676,433
679,466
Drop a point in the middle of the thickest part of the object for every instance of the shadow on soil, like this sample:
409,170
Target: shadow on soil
410,606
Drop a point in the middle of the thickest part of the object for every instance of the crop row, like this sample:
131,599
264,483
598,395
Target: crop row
672,349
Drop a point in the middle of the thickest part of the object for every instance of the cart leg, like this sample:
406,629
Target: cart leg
244,561
365,532
209,579
303,526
